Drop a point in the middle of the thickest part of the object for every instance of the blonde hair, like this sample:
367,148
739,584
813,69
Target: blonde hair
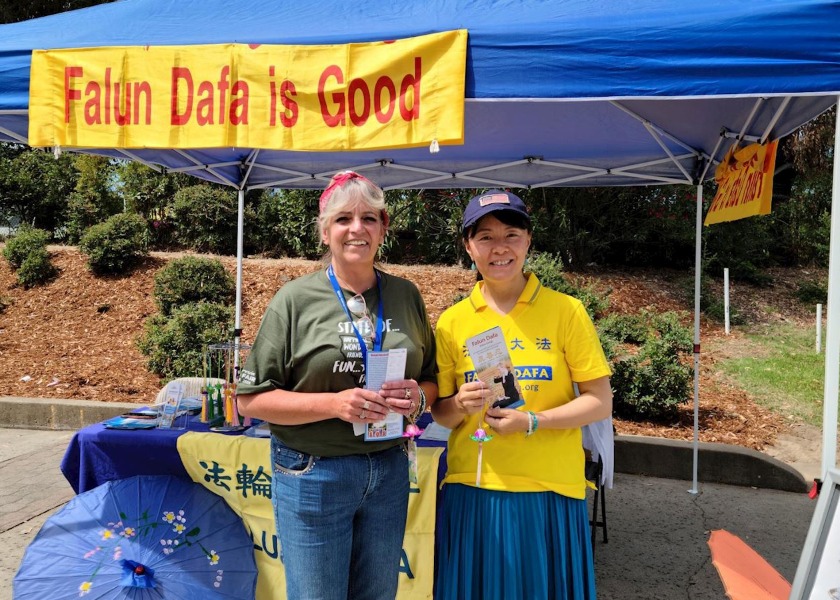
347,194
344,195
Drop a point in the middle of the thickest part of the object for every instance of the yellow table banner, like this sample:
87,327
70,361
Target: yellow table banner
238,469
745,183
361,96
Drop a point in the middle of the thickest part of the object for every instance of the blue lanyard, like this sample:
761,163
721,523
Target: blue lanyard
377,340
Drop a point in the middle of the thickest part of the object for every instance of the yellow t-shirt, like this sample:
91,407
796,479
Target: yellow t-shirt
552,342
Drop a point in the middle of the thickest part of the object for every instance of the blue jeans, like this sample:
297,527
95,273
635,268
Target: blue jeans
340,521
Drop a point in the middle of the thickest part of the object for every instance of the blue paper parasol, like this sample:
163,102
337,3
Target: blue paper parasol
141,537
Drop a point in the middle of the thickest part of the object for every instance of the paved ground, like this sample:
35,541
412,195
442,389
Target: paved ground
657,530
658,535
31,488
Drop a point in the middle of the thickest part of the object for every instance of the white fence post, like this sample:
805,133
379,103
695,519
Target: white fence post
819,328
726,300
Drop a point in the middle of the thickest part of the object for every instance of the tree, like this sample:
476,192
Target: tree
147,192
803,220
426,226
285,223
624,226
151,194
94,199
35,186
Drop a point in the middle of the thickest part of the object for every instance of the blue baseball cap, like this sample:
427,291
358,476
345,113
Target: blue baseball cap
492,201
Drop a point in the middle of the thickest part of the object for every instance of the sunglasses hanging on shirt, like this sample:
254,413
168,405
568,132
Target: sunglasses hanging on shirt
363,323
376,346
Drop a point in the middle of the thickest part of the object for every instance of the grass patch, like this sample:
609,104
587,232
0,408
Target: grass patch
784,373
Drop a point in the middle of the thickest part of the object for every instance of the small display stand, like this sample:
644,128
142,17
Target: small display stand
218,400
170,415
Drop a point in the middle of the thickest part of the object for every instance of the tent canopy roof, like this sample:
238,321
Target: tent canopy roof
558,93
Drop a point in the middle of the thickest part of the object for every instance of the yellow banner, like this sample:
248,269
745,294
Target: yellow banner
390,94
238,469
745,183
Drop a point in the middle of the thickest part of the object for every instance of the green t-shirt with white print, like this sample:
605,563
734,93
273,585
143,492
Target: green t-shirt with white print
306,343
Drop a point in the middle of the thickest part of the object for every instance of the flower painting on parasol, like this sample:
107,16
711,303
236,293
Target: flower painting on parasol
141,537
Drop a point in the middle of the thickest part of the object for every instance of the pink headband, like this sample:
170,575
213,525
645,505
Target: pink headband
338,181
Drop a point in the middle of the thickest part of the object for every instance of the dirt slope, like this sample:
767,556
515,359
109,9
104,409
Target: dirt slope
75,337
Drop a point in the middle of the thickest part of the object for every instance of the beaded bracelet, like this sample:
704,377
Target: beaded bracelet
421,406
533,423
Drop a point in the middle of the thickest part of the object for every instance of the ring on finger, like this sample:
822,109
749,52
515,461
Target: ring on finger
362,414
365,406
407,394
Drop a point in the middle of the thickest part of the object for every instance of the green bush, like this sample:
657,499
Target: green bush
624,329
27,254
651,385
36,269
204,218
650,380
175,345
549,269
284,224
671,331
192,279
26,241
724,247
812,292
115,245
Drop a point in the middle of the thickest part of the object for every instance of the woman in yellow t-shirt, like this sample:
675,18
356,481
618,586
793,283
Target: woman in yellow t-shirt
514,521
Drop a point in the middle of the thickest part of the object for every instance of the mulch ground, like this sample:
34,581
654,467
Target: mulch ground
75,337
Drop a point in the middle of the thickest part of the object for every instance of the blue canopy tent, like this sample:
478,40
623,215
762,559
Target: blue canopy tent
566,93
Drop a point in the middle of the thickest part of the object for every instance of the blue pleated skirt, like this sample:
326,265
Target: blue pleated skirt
513,545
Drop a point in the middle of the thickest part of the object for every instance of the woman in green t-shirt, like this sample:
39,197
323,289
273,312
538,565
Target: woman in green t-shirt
340,478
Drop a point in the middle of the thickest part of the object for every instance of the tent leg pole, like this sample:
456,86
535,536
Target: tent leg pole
698,244
832,333
240,235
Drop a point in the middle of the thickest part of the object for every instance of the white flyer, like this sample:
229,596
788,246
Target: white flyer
386,365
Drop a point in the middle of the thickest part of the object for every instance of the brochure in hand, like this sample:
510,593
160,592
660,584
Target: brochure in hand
489,353
382,366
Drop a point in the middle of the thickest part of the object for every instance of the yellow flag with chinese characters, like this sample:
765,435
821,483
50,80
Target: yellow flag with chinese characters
745,183
238,468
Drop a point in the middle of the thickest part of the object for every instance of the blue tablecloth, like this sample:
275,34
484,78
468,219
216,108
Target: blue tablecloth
97,454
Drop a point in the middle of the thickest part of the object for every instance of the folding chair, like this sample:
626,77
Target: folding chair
192,387
599,444
594,473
